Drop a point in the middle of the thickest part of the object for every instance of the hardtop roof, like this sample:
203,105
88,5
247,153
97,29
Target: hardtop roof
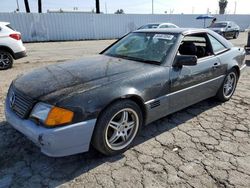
174,30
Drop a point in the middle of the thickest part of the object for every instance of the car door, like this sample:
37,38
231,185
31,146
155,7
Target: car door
191,84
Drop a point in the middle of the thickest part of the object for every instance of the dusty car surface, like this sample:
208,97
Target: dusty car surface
226,28
104,100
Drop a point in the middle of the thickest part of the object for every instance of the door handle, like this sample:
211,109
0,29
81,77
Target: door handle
216,65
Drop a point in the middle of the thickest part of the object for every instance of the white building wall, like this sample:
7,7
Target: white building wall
80,26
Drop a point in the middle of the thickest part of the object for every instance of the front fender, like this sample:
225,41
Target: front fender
143,87
89,104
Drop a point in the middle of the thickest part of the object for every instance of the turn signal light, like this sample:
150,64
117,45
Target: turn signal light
58,116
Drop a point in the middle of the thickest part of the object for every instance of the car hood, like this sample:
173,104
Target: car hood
86,74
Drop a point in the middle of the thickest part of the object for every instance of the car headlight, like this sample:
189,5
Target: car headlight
51,116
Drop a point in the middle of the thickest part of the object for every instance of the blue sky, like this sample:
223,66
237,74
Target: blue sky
135,6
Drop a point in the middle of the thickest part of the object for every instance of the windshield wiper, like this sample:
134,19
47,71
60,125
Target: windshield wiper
134,58
149,61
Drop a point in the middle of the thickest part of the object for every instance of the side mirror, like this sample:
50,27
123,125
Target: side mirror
229,26
187,60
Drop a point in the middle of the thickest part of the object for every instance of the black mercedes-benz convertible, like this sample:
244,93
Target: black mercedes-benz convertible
104,100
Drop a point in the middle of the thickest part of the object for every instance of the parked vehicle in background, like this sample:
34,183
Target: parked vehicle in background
158,25
226,28
11,46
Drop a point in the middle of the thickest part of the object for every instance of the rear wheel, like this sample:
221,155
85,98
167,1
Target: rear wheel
228,87
117,127
6,60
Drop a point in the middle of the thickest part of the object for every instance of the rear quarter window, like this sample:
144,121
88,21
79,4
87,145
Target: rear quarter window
10,27
216,45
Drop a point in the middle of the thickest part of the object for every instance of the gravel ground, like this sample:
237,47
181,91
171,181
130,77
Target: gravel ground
205,145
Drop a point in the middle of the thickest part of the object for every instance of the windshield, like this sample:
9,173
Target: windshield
219,25
168,26
144,47
149,26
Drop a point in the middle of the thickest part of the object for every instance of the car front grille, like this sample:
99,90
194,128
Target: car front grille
20,103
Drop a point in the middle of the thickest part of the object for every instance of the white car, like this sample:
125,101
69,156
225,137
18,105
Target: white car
158,25
11,46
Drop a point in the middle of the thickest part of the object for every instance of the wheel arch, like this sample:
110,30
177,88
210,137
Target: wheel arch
5,48
133,97
236,67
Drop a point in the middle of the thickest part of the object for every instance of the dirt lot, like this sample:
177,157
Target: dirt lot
206,145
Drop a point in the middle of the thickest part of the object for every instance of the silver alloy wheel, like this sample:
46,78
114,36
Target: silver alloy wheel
122,129
229,85
5,60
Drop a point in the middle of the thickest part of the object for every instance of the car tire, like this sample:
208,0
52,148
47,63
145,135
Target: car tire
116,127
236,34
6,60
228,87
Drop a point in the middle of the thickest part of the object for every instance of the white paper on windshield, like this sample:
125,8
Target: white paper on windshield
164,36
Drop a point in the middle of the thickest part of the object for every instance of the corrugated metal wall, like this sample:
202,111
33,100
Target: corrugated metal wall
80,26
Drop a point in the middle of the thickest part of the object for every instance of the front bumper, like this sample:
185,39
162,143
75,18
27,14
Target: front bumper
56,142
220,32
243,67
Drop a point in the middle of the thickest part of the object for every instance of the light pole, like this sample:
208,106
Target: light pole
235,7
152,6
106,10
17,4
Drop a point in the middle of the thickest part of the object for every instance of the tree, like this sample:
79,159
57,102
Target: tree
222,6
39,6
27,7
97,5
120,11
